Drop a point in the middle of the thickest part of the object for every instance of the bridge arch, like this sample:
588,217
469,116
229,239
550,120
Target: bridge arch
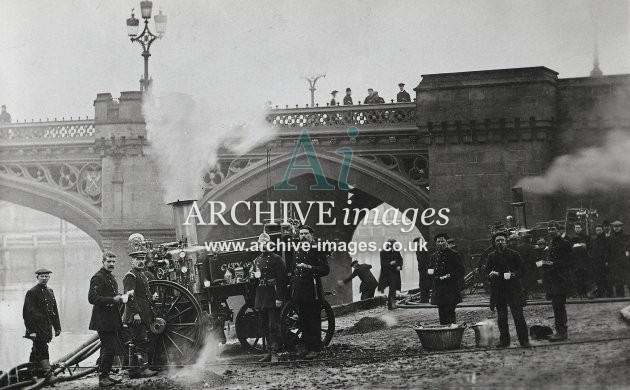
52,201
366,176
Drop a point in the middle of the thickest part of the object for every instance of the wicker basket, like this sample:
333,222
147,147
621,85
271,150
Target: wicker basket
440,337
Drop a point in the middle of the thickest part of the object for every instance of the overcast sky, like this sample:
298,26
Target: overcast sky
56,56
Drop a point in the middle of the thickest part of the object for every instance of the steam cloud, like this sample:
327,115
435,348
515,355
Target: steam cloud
588,170
186,133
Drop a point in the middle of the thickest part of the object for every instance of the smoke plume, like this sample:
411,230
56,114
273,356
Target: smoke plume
186,134
588,170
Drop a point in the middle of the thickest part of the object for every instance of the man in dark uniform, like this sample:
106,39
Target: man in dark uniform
505,270
391,264
582,267
105,319
447,268
402,96
557,278
600,253
424,258
347,100
619,264
271,292
40,316
310,266
368,281
138,316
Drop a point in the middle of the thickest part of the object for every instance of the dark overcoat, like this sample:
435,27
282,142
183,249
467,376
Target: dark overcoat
557,276
446,291
403,96
368,281
390,274
105,314
40,313
619,265
600,251
139,302
307,283
273,274
506,291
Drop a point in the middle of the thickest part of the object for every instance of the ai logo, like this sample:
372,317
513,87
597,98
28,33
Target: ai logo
314,166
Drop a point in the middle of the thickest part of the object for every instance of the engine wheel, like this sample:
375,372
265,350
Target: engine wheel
291,328
176,332
249,329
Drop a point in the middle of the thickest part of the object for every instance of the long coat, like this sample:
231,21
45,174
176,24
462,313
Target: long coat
139,302
105,314
600,252
446,291
368,281
403,96
390,275
40,312
307,283
272,271
557,277
619,265
502,291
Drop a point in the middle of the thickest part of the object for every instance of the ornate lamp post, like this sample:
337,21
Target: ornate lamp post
146,37
311,81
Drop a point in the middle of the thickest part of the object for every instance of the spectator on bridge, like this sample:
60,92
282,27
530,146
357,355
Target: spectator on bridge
347,100
333,101
138,316
557,278
377,99
402,96
600,255
426,281
106,319
308,293
619,264
505,270
368,281
40,317
447,268
271,293
5,117
369,99
391,264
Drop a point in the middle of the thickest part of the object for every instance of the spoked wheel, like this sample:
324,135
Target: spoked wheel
176,332
250,329
291,327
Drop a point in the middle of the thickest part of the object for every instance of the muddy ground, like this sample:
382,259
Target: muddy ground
393,358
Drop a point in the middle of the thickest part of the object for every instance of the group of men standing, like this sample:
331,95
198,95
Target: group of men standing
309,265
372,98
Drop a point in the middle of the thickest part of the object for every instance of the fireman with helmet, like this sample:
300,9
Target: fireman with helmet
271,291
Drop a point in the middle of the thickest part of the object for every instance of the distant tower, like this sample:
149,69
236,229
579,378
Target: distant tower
596,72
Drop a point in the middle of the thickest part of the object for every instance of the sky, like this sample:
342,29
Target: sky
56,56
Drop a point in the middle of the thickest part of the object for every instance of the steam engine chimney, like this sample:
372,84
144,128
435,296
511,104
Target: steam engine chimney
181,209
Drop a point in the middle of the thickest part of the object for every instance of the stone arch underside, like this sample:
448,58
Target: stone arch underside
368,177
53,201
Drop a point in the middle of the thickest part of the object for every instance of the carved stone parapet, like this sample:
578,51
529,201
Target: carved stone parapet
120,146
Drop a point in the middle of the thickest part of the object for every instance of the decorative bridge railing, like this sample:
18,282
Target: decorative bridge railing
47,130
393,114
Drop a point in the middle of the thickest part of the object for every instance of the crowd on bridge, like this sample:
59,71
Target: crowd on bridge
372,98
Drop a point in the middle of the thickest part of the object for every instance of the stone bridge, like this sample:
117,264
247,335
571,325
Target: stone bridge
479,132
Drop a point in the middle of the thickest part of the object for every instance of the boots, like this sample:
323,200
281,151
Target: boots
50,376
266,358
558,336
